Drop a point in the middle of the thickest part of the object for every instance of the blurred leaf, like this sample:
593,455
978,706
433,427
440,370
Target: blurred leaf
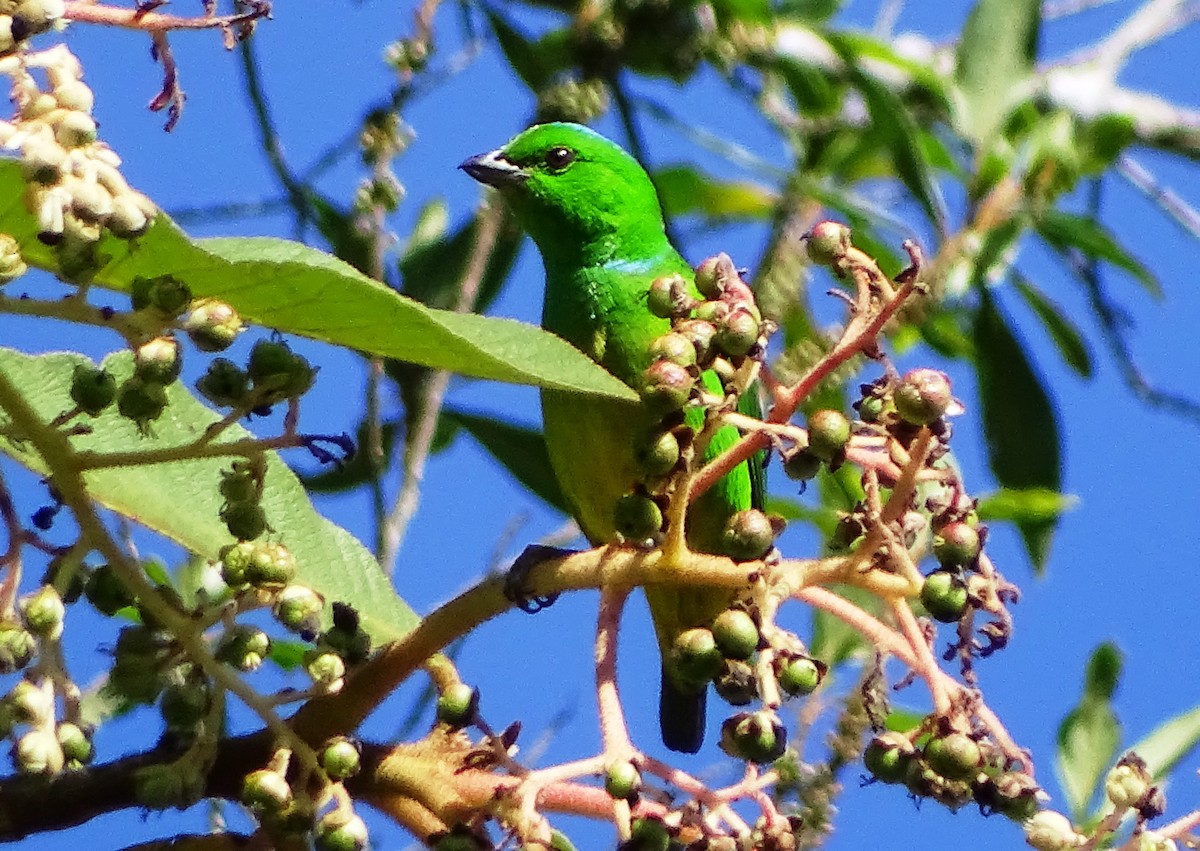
1103,139
875,53
1090,735
433,221
1066,336
1169,742
534,64
794,511
173,499
288,654
816,11
1019,422
347,241
945,332
520,450
813,87
834,641
685,190
894,127
1030,505
904,720
996,56
298,289
729,12
1066,232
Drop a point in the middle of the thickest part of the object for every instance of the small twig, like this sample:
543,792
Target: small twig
172,95
89,12
613,730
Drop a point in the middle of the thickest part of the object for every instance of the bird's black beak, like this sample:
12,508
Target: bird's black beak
492,169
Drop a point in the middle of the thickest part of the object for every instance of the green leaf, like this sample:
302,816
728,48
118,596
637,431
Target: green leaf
834,641
1019,421
944,331
179,499
995,60
1066,336
686,190
347,241
301,290
1090,735
894,127
531,60
520,450
1066,232
1169,742
1028,505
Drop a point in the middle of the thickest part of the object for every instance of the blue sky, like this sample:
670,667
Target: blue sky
1124,565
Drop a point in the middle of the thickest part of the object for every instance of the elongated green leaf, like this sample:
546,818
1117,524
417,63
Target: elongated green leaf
685,190
520,450
1090,735
1066,232
996,56
1028,505
1019,421
301,290
1068,339
531,61
179,499
1169,742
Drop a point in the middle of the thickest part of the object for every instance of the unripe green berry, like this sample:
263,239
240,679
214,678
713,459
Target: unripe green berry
17,647
244,647
457,705
92,389
164,293
922,396
244,520
212,325
667,297
658,454
710,275
736,682
341,758
695,658
799,675
944,596
38,753
235,562
339,831
279,373
887,757
272,566
673,347
828,243
649,834
266,791
637,517
1013,794
298,608
748,535
106,591
702,335
622,780
665,387
736,634
956,544
239,484
828,434
737,333
141,401
158,361
224,384
871,408
43,612
75,743
754,736
325,668
714,312
801,465
955,756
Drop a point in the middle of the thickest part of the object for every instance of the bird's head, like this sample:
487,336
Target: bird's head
571,188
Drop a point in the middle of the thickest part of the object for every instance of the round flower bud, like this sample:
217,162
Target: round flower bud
736,634
956,544
713,312
673,347
887,757
128,220
238,484
164,293
106,591
225,384
244,520
338,831
658,454
75,743
42,160
266,791
695,658
827,243
74,95
212,325
90,202
702,335
944,596
341,758
92,389
141,401
1127,784
325,668
17,647
1051,831
828,434
649,834
737,333
1013,794
801,465
298,608
457,705
665,387
244,647
799,675
38,753
736,683
12,264
272,566
637,517
75,130
871,408
184,704
158,361
955,756
710,275
748,536
922,396
43,612
754,736
667,297
622,780
235,562
279,373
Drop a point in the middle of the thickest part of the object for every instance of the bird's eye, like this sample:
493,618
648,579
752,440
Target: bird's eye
559,158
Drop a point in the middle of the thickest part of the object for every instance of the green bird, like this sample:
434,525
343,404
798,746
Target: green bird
596,219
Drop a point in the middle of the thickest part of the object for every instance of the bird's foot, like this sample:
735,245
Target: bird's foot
516,587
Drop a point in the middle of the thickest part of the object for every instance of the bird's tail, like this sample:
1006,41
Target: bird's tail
681,715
